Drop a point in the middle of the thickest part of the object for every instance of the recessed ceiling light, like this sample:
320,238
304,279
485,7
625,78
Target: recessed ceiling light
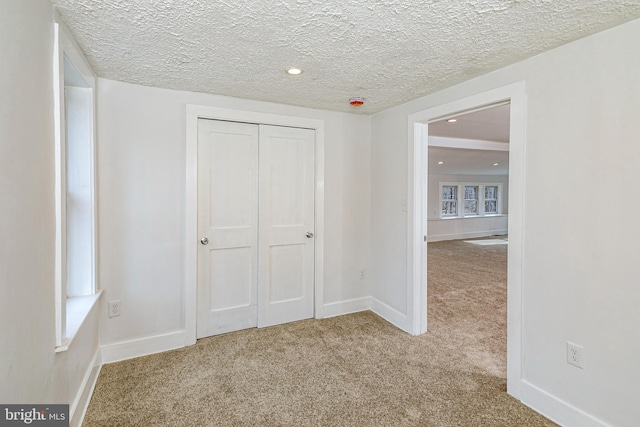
441,162
293,71
452,120
496,164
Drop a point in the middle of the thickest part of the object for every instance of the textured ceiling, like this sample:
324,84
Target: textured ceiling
387,51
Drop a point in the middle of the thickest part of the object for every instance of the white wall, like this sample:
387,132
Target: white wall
30,371
439,229
580,279
141,166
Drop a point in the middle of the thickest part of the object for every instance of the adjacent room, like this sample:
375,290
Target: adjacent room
291,212
468,205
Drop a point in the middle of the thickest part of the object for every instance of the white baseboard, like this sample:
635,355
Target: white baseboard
142,347
345,307
459,236
78,408
389,314
556,409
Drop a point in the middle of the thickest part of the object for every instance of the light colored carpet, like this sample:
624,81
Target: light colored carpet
354,370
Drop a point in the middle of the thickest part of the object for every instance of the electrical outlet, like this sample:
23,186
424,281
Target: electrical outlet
575,355
114,308
363,274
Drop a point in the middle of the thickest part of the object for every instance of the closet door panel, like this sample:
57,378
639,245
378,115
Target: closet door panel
227,226
286,225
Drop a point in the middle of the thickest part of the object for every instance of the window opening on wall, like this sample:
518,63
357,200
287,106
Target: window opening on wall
75,195
491,199
449,200
478,199
470,200
78,102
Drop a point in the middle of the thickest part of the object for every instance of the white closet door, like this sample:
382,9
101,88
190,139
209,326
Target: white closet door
227,226
286,225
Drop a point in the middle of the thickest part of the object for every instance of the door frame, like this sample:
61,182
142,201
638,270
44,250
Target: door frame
418,143
193,114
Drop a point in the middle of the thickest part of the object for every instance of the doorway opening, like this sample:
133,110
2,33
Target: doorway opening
467,234
418,158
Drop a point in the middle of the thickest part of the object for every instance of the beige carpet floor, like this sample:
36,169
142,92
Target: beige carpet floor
354,370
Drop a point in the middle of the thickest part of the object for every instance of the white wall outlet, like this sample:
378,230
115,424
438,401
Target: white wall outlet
363,274
575,355
113,308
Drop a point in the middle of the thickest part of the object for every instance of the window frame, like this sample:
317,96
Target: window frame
455,201
460,200
497,199
477,200
71,311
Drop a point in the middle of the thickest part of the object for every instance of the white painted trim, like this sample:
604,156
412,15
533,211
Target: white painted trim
65,46
346,307
467,144
470,235
450,218
78,408
195,112
515,269
417,218
60,188
319,223
557,409
142,346
461,200
191,227
77,311
73,52
417,214
389,314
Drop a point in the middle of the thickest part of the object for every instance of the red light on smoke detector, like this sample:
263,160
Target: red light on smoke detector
356,102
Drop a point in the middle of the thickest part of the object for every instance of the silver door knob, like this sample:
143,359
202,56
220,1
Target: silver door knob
309,234
204,241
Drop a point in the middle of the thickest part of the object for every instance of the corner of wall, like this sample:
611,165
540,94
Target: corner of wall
346,307
389,314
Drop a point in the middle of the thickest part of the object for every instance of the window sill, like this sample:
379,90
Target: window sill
78,309
447,218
